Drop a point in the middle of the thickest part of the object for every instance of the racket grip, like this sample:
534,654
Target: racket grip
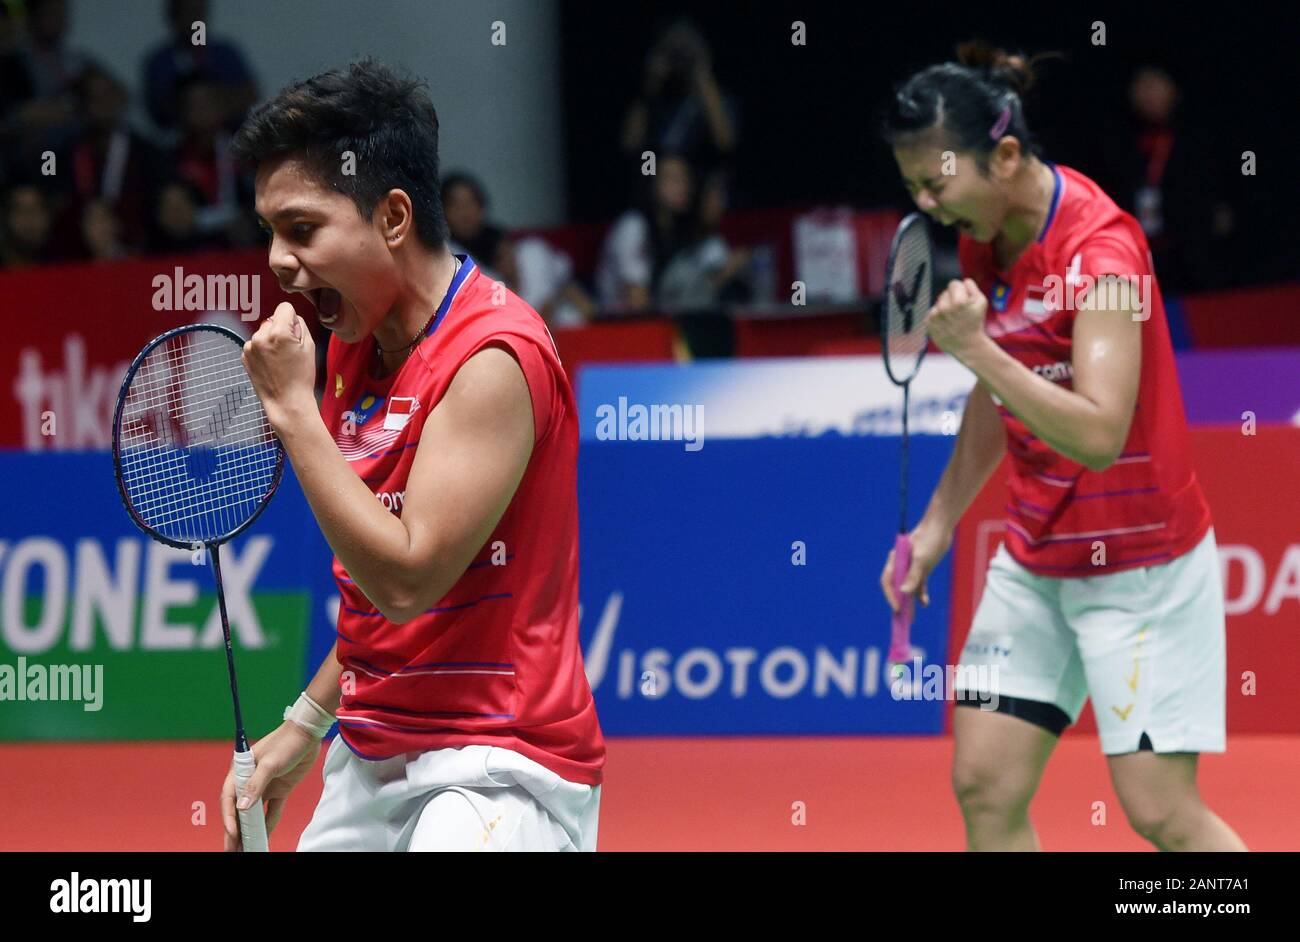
252,823
900,639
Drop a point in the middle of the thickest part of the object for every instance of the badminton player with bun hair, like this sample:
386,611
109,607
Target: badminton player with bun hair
1107,584
441,467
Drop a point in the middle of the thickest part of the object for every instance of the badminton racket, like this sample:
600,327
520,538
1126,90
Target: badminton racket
196,461
909,287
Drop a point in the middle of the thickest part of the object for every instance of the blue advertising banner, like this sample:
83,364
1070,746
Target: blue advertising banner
729,586
776,397
107,634
735,588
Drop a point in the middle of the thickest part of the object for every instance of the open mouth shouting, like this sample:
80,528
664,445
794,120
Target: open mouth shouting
329,303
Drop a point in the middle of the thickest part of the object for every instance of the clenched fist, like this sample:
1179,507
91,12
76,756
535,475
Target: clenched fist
956,321
281,361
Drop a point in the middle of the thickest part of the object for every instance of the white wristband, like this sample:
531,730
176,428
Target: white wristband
310,715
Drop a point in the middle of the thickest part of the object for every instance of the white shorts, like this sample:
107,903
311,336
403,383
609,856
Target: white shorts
1148,644
463,799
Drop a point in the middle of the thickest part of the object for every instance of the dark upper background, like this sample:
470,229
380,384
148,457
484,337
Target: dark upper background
808,115
807,125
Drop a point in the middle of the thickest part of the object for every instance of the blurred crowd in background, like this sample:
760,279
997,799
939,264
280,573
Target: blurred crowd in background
80,182
122,190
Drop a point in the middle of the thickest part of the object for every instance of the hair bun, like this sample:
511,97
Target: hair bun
1012,70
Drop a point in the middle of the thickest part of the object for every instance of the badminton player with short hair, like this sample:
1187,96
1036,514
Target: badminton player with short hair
441,467
1107,584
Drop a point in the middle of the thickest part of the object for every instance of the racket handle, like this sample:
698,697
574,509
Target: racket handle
900,640
252,823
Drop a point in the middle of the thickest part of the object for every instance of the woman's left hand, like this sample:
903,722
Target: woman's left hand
281,361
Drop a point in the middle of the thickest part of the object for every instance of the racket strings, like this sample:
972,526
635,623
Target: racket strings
908,297
198,455
215,508
166,493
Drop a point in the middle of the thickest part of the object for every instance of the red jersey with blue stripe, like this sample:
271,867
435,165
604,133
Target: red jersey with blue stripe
1147,507
497,660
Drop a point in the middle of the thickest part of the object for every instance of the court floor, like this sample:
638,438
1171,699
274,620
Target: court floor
851,793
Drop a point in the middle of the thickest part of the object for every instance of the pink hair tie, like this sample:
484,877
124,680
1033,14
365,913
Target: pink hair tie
1000,125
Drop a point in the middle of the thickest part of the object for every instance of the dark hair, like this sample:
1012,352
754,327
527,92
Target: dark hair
965,101
387,121
460,178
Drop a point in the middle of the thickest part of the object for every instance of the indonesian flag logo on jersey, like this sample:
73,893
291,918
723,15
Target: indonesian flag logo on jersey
360,436
400,410
1034,307
1036,301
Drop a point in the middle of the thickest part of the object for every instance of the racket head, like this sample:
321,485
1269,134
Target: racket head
194,456
909,292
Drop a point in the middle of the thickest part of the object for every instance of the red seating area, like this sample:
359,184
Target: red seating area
615,343
799,336
658,339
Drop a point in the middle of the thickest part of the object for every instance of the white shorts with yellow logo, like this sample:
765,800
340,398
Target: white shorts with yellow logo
471,798
1148,645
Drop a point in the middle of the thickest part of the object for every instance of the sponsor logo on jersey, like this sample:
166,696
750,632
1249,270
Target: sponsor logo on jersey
366,406
1057,372
1000,295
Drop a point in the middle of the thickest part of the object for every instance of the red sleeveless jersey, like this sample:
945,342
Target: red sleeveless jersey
497,660
1147,507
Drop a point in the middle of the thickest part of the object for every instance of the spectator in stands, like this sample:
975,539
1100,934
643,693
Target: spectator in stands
202,159
1163,170
537,272
705,272
41,79
15,83
641,242
168,67
15,88
543,276
107,160
681,109
101,232
52,66
464,203
27,223
174,226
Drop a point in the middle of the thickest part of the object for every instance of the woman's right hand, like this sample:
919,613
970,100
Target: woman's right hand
283,757
929,544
